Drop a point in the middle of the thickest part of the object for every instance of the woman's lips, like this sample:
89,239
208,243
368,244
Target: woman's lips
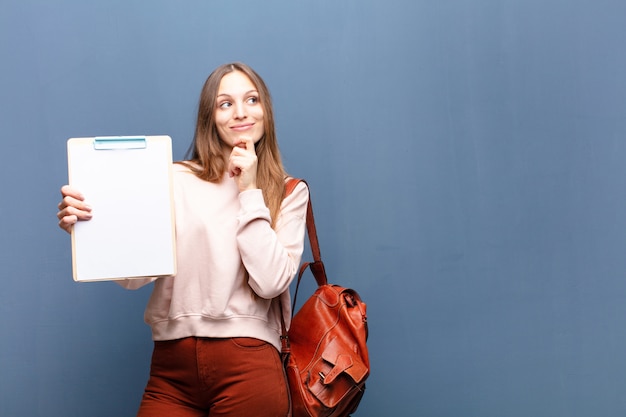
242,127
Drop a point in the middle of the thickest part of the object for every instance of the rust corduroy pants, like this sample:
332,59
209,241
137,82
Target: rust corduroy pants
200,377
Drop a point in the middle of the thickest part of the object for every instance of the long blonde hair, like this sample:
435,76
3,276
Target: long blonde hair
206,152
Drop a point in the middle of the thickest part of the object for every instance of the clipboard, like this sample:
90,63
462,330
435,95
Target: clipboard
127,180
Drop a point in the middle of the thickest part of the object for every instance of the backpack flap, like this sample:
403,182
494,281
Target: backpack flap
337,374
345,360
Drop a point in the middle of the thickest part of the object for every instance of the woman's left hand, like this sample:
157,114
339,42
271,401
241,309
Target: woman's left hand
242,164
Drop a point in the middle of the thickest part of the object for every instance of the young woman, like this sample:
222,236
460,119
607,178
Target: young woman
239,242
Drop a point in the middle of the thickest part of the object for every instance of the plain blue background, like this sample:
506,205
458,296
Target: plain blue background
466,160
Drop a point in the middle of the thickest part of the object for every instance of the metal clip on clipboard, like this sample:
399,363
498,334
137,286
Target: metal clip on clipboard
119,142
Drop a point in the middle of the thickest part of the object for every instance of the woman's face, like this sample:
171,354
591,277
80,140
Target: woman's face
239,112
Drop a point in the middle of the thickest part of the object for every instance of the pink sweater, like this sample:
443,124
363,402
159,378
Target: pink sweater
230,262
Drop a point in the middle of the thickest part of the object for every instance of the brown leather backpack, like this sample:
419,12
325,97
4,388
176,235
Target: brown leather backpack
325,352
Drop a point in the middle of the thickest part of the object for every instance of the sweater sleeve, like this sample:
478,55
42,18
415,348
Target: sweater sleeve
135,283
271,257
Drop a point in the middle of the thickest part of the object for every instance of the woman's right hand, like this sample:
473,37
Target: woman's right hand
72,208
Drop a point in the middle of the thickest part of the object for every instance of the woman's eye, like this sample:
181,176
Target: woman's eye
224,105
253,100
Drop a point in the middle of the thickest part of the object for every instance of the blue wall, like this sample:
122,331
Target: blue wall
466,159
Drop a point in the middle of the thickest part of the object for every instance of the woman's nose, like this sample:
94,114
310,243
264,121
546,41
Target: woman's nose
239,111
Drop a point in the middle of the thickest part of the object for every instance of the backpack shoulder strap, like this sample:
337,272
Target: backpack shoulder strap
317,266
